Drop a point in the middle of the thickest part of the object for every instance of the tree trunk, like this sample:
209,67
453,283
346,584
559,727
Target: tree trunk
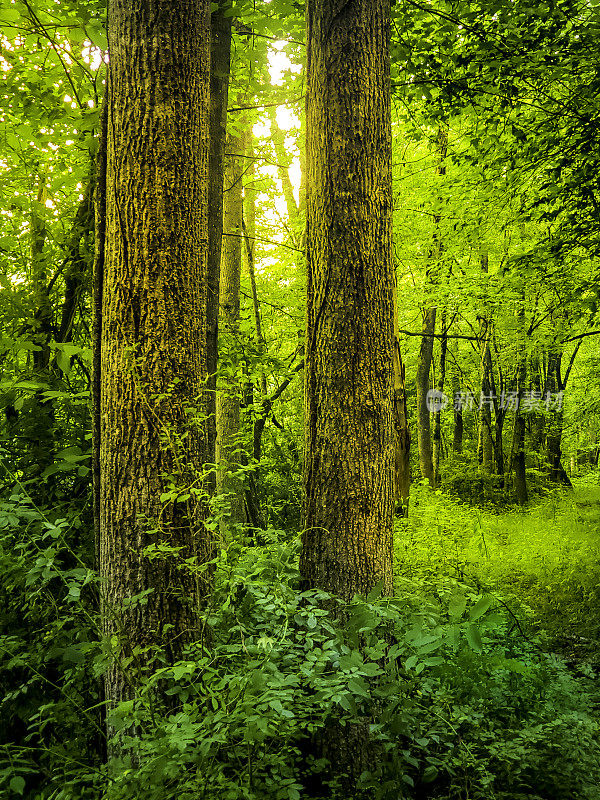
220,61
437,428
520,477
39,276
347,541
457,435
278,140
427,339
538,420
251,492
485,447
401,425
498,442
97,302
518,444
554,422
77,260
422,380
153,335
229,389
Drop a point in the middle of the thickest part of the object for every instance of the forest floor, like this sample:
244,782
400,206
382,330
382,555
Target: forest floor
543,559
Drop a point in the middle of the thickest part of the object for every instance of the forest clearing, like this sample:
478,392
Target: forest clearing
299,400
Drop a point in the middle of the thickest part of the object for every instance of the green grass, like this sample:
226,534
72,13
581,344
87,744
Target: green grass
545,556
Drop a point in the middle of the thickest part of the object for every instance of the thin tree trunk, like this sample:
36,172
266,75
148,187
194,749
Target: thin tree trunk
77,261
458,432
437,428
251,492
278,140
249,227
518,459
498,441
518,444
555,421
220,62
485,447
40,433
230,384
422,381
39,278
401,425
538,420
153,336
428,334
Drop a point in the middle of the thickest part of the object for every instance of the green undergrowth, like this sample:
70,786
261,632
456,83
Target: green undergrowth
545,556
460,703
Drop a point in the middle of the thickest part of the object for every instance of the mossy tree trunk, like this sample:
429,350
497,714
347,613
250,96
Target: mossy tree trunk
347,542
152,360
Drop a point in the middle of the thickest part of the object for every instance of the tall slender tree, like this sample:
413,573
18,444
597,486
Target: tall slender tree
228,397
347,542
428,332
152,332
220,65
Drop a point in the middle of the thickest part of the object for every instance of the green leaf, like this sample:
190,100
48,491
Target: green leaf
457,606
97,36
480,607
63,361
375,592
429,774
11,14
17,784
453,636
474,638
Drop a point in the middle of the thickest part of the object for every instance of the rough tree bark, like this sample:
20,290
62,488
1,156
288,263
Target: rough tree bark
152,366
347,542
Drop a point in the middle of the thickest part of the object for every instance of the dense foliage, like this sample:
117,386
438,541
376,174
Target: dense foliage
478,679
